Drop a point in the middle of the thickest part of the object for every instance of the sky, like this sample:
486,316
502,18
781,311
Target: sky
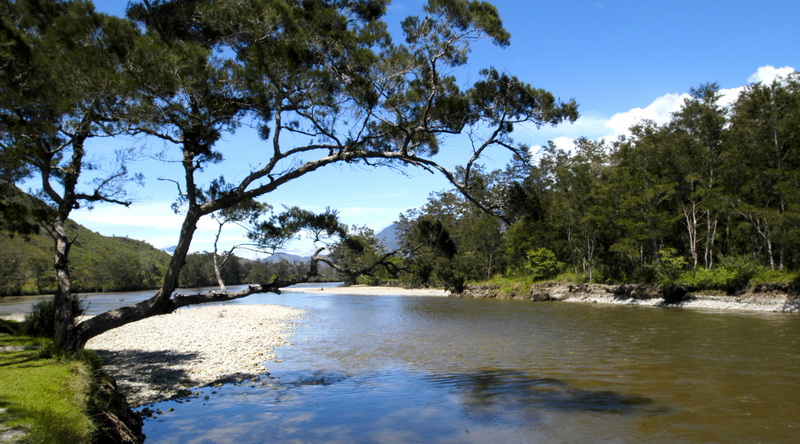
622,61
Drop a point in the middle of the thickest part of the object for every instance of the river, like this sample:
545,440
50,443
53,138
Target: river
394,369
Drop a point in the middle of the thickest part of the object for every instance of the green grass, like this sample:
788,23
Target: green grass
43,396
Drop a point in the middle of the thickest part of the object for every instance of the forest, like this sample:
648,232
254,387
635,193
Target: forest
707,201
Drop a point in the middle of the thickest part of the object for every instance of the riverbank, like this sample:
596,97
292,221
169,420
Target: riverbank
162,356
767,299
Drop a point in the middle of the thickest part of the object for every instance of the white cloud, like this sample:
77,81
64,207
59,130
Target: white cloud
769,73
659,111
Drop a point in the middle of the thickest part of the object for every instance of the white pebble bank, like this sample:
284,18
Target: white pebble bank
154,358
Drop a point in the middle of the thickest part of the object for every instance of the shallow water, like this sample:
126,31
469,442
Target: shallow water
415,369
95,303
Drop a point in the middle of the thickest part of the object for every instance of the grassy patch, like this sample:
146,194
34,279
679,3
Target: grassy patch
46,397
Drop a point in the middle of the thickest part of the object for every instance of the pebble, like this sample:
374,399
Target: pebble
161,357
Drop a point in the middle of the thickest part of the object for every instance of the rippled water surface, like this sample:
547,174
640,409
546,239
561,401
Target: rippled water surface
411,369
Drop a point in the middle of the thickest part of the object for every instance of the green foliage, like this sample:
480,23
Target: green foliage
543,264
98,263
668,267
510,286
766,276
41,319
199,271
732,274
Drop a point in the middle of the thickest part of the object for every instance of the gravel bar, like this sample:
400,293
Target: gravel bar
160,357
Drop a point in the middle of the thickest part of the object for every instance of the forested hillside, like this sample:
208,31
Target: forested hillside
99,263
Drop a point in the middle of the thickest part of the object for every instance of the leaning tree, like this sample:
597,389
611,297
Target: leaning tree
325,84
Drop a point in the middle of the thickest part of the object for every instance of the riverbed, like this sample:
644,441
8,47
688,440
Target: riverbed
431,369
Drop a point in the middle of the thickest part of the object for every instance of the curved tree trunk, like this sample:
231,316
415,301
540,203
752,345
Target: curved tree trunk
160,303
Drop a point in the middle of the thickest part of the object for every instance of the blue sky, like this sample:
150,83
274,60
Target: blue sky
620,60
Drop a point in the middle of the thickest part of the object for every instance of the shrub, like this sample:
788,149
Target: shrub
714,279
767,276
41,320
543,264
668,267
732,274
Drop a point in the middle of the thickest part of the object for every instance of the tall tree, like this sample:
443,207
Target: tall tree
64,87
698,132
326,85
643,192
764,165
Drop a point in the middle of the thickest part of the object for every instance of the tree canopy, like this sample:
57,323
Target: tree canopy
707,200
323,80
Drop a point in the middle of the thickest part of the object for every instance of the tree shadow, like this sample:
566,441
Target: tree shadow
19,357
791,305
148,376
9,412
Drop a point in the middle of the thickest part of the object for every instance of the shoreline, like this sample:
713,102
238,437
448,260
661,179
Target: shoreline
642,295
162,357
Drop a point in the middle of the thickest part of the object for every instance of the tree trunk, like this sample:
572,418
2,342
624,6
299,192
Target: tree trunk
217,264
711,235
690,216
218,274
64,317
160,303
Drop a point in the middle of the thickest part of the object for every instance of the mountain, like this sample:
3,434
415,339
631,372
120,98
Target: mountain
277,257
389,237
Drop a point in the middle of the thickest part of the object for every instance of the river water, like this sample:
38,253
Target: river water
394,369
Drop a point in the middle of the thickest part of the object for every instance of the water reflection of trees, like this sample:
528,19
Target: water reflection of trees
491,395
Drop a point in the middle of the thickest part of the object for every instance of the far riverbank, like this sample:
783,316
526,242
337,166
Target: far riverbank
763,299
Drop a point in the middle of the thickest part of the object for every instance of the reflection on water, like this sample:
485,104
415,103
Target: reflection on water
395,369
490,394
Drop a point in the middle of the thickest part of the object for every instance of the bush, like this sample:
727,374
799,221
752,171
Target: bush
766,276
714,279
669,267
543,264
732,274
41,320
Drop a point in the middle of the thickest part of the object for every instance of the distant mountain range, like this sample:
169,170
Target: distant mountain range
288,257
388,238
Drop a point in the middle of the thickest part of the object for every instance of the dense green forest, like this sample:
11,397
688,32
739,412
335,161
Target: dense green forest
709,200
